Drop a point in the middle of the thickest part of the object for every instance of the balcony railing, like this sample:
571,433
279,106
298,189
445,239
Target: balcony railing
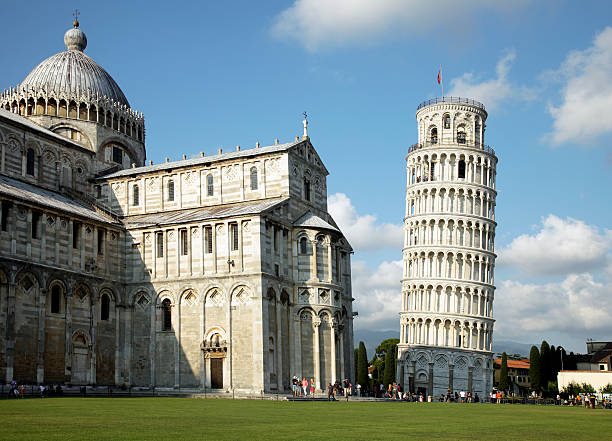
437,143
451,99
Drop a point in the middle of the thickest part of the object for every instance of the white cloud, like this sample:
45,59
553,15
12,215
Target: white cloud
561,246
491,92
586,93
578,306
361,230
378,295
319,24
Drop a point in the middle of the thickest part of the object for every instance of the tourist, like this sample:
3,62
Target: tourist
462,395
305,386
476,398
294,386
330,392
312,387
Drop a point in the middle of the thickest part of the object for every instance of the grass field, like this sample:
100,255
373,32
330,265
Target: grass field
186,418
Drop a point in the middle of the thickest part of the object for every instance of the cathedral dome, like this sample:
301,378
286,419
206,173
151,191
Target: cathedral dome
74,72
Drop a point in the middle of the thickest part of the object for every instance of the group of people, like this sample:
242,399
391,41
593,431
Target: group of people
19,391
305,388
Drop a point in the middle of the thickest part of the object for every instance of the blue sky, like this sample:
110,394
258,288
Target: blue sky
211,75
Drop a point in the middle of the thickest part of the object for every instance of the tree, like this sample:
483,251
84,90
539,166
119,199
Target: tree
534,369
503,373
387,349
545,368
389,375
362,365
607,389
355,361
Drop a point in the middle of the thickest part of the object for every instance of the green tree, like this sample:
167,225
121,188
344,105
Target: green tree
362,365
534,369
545,368
389,375
587,388
503,373
607,389
355,361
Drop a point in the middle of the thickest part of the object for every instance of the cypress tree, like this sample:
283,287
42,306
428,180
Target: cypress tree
534,369
503,373
355,363
545,367
362,365
389,375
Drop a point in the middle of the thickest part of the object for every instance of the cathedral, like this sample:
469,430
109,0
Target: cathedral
221,271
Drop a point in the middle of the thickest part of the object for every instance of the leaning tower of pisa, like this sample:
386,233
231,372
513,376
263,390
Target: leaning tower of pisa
447,286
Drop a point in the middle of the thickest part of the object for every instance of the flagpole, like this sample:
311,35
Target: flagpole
442,82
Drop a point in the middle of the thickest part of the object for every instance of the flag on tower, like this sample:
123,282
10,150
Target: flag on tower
440,75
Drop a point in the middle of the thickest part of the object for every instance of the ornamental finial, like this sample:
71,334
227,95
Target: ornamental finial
305,122
76,14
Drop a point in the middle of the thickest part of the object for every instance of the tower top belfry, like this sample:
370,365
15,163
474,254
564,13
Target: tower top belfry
448,286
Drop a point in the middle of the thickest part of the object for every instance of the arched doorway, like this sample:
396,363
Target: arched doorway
215,352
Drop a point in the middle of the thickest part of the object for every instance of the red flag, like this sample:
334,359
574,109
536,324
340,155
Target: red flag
439,75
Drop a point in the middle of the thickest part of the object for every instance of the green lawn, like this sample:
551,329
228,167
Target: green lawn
186,418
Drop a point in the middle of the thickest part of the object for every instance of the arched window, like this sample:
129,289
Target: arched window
135,195
303,245
56,299
30,162
306,189
447,121
210,188
170,190
461,136
105,307
253,178
166,315
434,135
461,169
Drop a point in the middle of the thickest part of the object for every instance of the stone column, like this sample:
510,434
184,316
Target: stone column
92,336
343,374
430,386
297,338
68,332
317,358
451,369
470,373
10,327
332,331
313,266
279,350
330,267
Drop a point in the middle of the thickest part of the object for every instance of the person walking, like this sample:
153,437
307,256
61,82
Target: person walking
330,392
305,386
312,387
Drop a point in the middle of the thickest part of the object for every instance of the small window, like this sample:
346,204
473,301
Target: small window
105,307
276,270
76,234
234,236
135,195
159,237
166,315
303,245
98,191
306,189
170,190
210,188
35,224
461,171
184,243
30,162
461,137
434,135
253,178
209,239
275,239
447,121
55,299
117,155
5,215
101,234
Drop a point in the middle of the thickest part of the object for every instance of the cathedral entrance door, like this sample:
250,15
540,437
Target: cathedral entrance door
79,366
216,373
